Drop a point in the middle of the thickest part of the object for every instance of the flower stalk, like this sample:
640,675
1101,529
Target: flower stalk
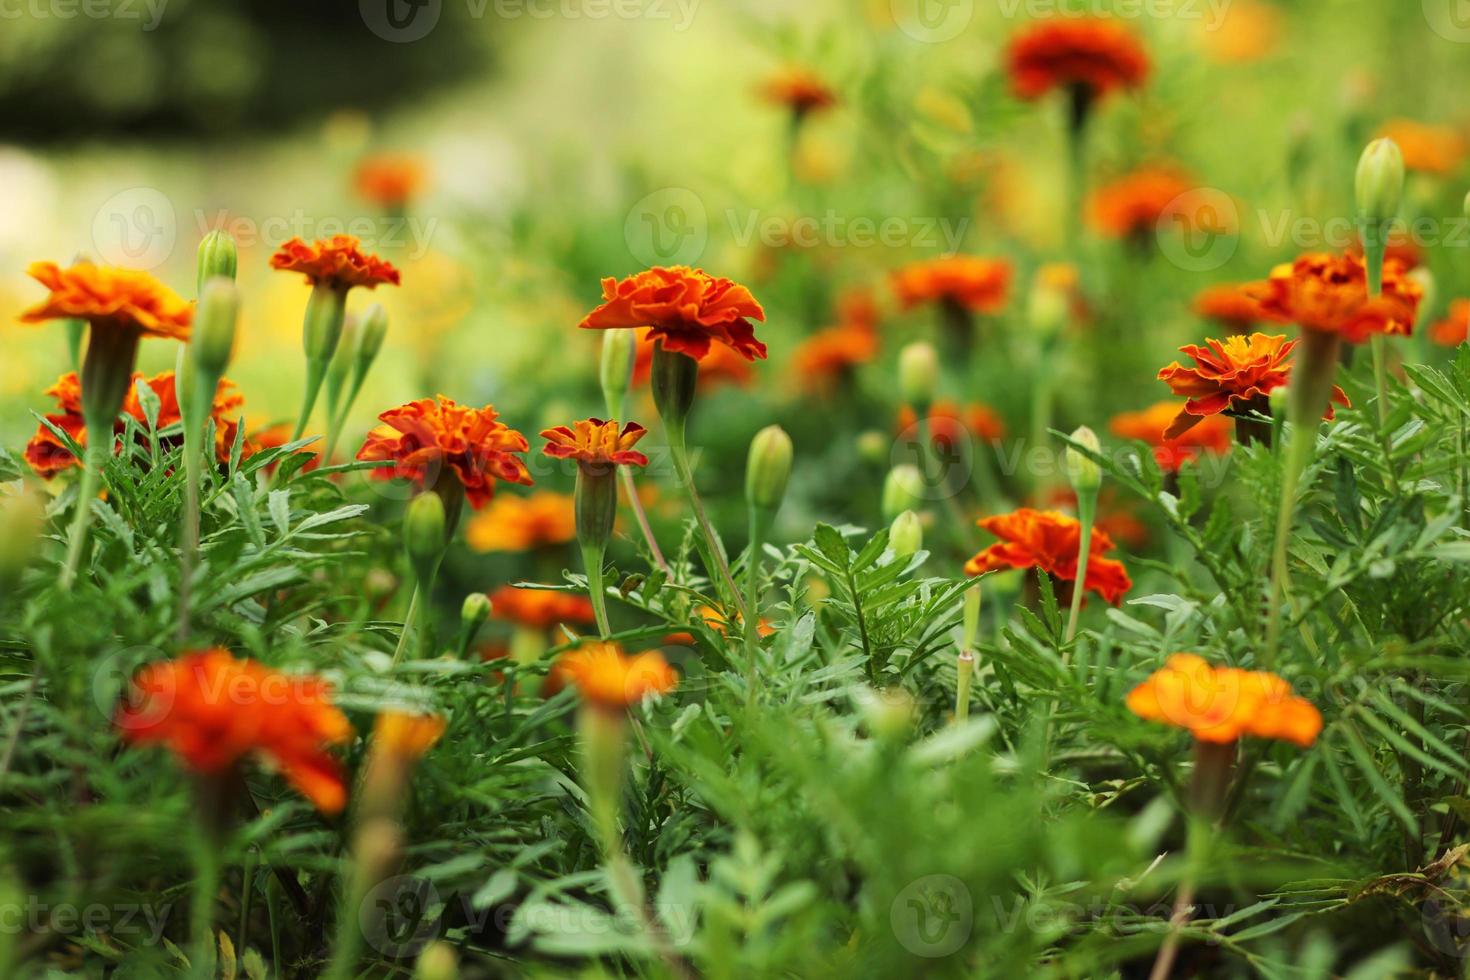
1086,477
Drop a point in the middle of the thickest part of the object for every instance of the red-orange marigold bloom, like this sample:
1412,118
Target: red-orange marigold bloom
829,355
1236,374
212,710
609,679
1093,54
799,89
539,608
1211,434
48,455
686,309
1134,204
951,423
405,736
513,523
337,262
1452,330
1429,149
110,299
1048,540
427,437
1222,704
721,365
976,284
391,180
1327,292
595,444
1231,306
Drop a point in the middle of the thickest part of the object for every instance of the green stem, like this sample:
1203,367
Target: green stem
1086,514
201,912
92,462
189,546
408,618
1298,450
316,372
592,557
753,604
641,516
714,554
964,674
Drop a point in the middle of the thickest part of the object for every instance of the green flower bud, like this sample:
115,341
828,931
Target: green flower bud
1278,401
339,372
21,518
1047,309
872,446
424,534
1082,470
616,368
674,379
437,962
906,534
768,468
1430,289
213,337
372,330
903,489
918,375
475,611
218,257
889,713
1380,181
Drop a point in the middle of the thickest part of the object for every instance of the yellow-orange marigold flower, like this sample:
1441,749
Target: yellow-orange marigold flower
338,262
687,310
1236,374
799,89
512,523
1222,704
428,439
1048,540
212,710
539,608
951,424
391,180
48,455
1320,291
976,284
595,444
609,679
1429,149
1248,33
406,736
110,299
1136,203
1452,330
1092,54
828,356
1231,306
1152,426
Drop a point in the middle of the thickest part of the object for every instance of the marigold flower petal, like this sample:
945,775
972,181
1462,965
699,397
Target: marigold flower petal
337,261
976,284
609,679
512,523
596,444
1154,426
1223,704
1049,540
1097,54
110,298
686,310
1320,291
540,608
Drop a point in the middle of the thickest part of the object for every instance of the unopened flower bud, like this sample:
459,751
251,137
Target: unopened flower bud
1082,470
437,962
1380,181
1278,402
616,368
424,534
218,258
213,338
372,329
906,534
768,468
1047,308
1429,289
903,489
475,611
918,375
873,446
889,713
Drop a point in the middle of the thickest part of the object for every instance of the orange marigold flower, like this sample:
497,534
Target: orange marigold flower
686,309
722,365
391,180
1135,204
337,262
48,455
1327,292
513,523
1248,33
1452,330
1231,306
596,445
1048,540
1236,374
1093,55
1152,426
609,679
539,608
972,283
951,424
110,299
858,307
427,439
406,737
1429,149
799,89
212,710
1221,704
828,356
